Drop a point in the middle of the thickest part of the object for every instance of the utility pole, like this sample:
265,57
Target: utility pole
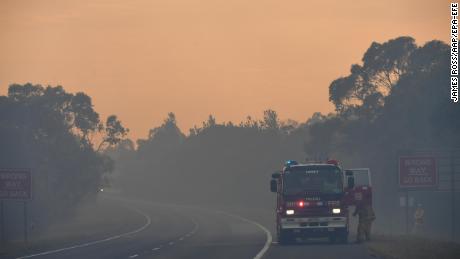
2,221
407,212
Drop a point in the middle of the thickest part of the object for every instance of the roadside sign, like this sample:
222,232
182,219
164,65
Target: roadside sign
15,184
417,172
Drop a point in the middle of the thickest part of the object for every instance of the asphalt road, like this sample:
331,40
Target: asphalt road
169,231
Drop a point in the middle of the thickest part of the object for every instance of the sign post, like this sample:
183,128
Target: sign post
15,184
2,222
416,172
26,229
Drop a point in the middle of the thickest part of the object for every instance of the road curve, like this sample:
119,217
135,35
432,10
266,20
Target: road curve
172,231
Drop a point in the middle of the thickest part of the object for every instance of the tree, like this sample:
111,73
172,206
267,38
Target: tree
418,109
83,116
317,117
289,126
19,92
114,132
47,129
250,123
270,121
163,138
211,122
364,90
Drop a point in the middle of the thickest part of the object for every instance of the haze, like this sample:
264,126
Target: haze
141,59
351,149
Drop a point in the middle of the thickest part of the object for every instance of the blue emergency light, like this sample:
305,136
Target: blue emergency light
290,162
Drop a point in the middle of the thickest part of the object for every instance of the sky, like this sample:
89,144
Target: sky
140,59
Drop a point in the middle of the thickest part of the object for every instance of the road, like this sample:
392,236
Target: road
171,231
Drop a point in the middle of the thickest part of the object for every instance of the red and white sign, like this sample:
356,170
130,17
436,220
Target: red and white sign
417,171
15,184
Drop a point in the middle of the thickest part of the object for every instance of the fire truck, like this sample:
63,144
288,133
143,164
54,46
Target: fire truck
313,199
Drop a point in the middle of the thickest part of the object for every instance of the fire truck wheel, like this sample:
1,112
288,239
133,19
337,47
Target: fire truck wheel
285,238
341,239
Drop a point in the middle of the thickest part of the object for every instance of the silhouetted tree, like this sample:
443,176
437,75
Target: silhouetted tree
363,91
114,132
162,139
270,121
397,98
48,129
211,122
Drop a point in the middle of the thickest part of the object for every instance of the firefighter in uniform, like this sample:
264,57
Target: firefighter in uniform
366,215
418,219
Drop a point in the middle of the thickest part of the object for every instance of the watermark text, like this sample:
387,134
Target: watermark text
454,52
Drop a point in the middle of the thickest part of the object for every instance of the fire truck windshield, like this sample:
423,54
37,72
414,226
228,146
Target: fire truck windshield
324,179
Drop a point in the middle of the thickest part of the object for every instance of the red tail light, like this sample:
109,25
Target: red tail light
300,204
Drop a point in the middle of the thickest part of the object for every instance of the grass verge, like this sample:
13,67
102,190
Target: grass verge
411,247
91,222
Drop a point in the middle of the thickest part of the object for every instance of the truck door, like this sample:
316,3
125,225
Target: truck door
362,176
362,189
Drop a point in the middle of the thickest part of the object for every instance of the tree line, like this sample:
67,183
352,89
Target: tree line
396,99
59,136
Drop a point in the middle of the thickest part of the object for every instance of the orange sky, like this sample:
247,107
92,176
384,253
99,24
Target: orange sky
140,59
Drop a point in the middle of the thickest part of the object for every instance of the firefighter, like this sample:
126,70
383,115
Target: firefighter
366,215
418,219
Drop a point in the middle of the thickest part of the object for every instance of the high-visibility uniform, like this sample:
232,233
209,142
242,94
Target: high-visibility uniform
366,216
418,219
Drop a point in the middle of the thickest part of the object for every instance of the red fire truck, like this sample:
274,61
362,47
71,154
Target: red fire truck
313,199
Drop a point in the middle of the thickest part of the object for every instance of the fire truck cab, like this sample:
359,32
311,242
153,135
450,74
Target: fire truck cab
313,199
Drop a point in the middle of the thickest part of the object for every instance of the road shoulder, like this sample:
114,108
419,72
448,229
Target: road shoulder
410,247
93,221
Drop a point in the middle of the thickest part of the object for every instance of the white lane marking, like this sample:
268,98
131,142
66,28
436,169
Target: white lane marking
171,243
148,221
156,248
192,232
133,256
268,235
264,249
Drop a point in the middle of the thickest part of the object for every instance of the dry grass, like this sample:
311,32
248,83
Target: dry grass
410,247
92,222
